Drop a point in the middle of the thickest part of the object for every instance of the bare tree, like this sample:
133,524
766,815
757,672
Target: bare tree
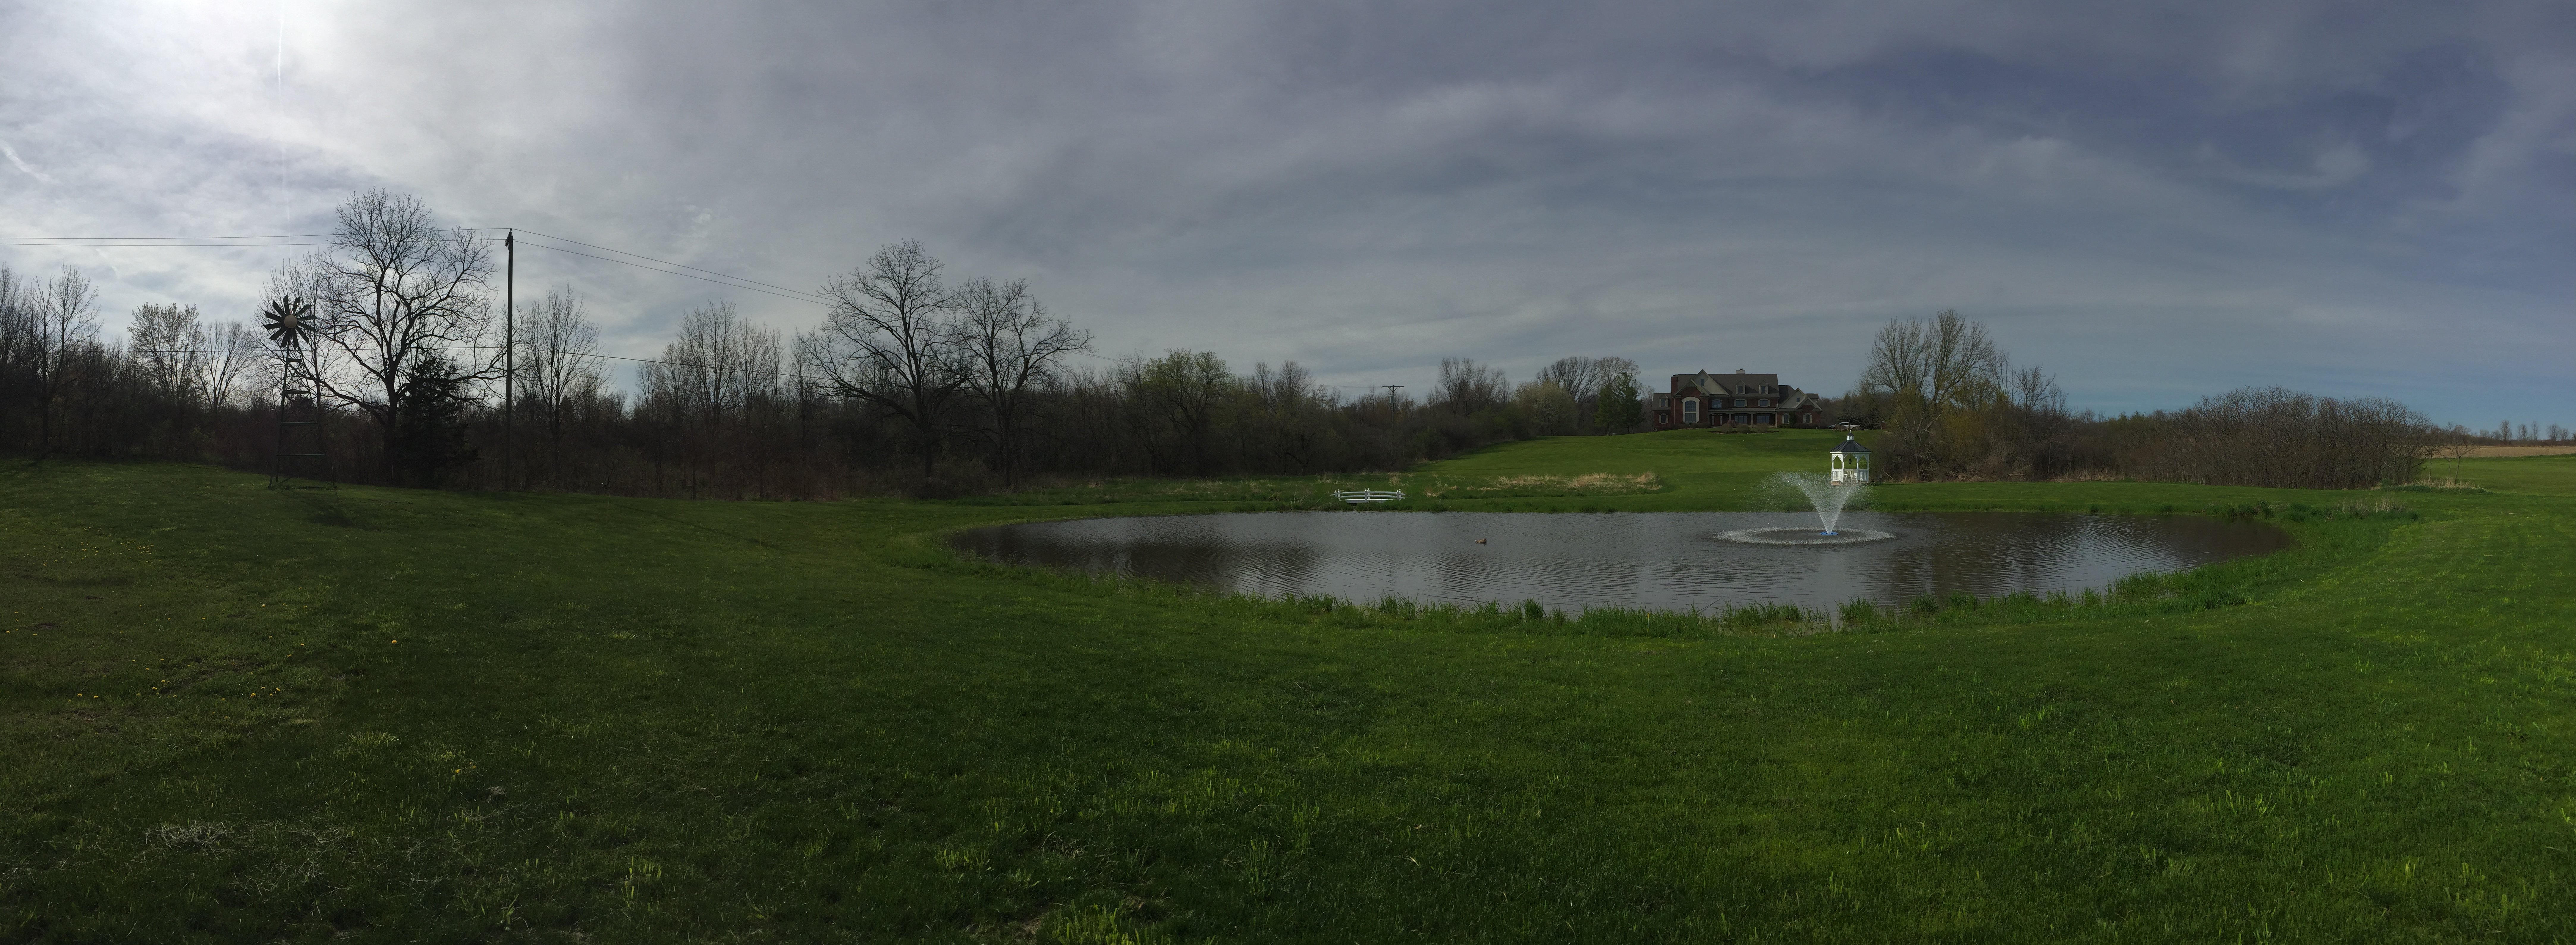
17,321
1467,387
1008,347
1549,407
1292,425
2454,444
232,348
719,363
64,322
1574,374
394,291
169,345
2280,438
188,361
1583,379
711,379
18,348
890,340
559,363
1926,372
1948,361
1178,396
2035,389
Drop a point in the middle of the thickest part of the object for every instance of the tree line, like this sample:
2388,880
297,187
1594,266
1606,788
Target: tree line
911,382
914,382
1953,405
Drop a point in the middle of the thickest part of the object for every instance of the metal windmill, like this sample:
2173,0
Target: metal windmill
289,322
290,325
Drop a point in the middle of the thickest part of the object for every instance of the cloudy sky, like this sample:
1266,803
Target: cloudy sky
2154,200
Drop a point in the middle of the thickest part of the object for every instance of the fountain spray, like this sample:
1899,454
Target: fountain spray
1826,497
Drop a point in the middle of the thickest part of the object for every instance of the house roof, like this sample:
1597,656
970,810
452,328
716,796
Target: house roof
1730,384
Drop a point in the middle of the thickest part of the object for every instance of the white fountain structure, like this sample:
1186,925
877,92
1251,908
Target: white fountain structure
1847,464
1846,469
1827,497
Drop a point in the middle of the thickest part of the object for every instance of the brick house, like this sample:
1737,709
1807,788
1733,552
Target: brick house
1732,400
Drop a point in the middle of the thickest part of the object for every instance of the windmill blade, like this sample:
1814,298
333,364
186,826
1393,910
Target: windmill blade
289,321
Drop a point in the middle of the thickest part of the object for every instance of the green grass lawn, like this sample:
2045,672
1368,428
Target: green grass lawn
1681,454
231,714
2542,475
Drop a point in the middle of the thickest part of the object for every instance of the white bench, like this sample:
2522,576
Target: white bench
1357,496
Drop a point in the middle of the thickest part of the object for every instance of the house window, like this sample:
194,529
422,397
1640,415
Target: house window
1763,419
1765,402
1690,410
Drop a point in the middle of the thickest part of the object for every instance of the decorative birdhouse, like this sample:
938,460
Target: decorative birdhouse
1849,463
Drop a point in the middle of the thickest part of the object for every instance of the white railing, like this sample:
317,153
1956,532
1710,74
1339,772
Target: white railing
1357,496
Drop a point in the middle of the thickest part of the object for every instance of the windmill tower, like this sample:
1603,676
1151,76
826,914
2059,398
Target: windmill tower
289,322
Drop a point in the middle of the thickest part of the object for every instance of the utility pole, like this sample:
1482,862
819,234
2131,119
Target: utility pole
1390,406
509,350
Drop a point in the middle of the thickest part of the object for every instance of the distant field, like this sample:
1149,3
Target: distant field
2542,475
2491,451
231,714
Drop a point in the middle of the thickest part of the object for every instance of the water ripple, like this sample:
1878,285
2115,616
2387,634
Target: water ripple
1665,560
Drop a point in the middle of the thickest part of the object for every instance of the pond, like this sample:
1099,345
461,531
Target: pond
1658,560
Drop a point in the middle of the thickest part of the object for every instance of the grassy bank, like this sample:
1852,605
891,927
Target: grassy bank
233,714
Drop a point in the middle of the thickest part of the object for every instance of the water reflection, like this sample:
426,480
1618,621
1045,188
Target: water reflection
1669,560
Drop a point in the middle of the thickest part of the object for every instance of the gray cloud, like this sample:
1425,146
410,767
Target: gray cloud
2158,201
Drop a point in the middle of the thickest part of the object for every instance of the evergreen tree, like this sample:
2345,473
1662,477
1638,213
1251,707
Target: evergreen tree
1620,411
429,435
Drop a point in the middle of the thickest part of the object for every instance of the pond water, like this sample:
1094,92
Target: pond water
1656,560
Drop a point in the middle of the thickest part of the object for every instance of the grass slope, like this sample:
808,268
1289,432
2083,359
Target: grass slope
233,714
1686,454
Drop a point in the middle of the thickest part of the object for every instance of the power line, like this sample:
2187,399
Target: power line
197,242
665,262
260,236
14,241
719,278
307,239
326,239
566,354
810,300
